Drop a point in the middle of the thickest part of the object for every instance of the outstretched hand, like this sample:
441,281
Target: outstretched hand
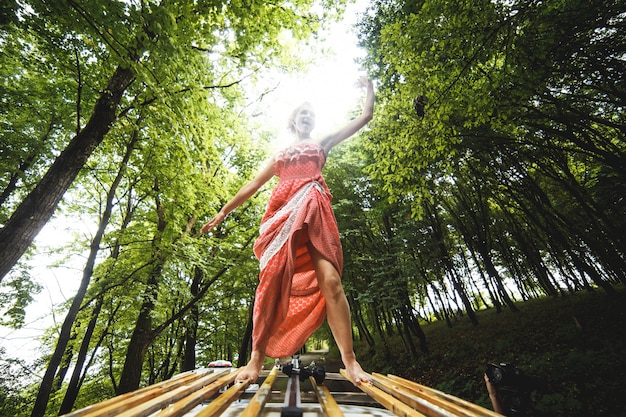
364,82
213,222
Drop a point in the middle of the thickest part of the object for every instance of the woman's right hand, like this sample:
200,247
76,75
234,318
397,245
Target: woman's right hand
365,82
213,222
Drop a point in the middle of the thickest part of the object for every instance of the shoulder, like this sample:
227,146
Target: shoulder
327,143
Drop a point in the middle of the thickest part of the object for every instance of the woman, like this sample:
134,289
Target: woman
299,249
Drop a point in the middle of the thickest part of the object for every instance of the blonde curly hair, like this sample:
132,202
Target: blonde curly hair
291,122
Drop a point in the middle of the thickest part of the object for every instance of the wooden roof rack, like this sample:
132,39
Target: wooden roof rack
213,392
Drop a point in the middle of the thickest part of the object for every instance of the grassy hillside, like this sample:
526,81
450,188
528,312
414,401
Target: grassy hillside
577,344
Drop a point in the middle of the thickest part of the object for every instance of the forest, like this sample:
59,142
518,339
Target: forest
492,175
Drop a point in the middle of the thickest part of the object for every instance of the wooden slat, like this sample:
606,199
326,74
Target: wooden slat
263,394
222,402
148,407
186,404
326,400
115,405
430,406
184,392
433,396
386,400
424,405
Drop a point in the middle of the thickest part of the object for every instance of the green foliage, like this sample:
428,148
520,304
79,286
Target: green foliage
492,127
181,145
15,294
36,110
17,389
492,74
493,169
574,343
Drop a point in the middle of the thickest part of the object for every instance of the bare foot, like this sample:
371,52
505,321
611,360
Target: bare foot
357,374
251,370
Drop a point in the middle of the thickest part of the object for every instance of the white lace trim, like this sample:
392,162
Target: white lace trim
292,208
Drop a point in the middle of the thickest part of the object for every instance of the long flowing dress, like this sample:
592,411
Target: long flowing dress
288,305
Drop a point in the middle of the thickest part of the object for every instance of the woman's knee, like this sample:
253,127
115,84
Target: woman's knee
328,277
331,287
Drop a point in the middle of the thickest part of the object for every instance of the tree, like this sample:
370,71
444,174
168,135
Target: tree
161,50
517,91
181,67
46,383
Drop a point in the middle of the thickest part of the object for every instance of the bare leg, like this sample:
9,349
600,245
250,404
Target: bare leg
338,314
253,367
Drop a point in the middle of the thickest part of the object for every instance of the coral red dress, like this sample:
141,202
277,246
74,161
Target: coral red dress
288,305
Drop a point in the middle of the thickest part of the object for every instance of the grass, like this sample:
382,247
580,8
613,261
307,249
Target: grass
576,344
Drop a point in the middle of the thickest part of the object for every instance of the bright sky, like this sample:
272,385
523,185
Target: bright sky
329,86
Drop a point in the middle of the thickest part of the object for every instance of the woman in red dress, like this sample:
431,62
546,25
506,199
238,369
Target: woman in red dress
299,249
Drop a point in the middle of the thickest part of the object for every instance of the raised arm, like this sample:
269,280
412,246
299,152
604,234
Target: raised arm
242,195
358,122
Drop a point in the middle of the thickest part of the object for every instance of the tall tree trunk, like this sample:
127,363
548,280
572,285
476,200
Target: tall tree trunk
445,309
141,338
460,290
191,327
411,321
40,204
246,342
433,307
379,329
493,273
143,334
438,231
64,366
74,385
45,388
360,322
405,314
24,166
80,368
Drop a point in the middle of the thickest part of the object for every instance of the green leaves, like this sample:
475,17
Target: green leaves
175,146
15,295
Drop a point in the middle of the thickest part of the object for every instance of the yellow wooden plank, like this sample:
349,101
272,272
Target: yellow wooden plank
386,400
146,408
221,403
263,394
431,406
463,408
326,400
186,404
113,406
